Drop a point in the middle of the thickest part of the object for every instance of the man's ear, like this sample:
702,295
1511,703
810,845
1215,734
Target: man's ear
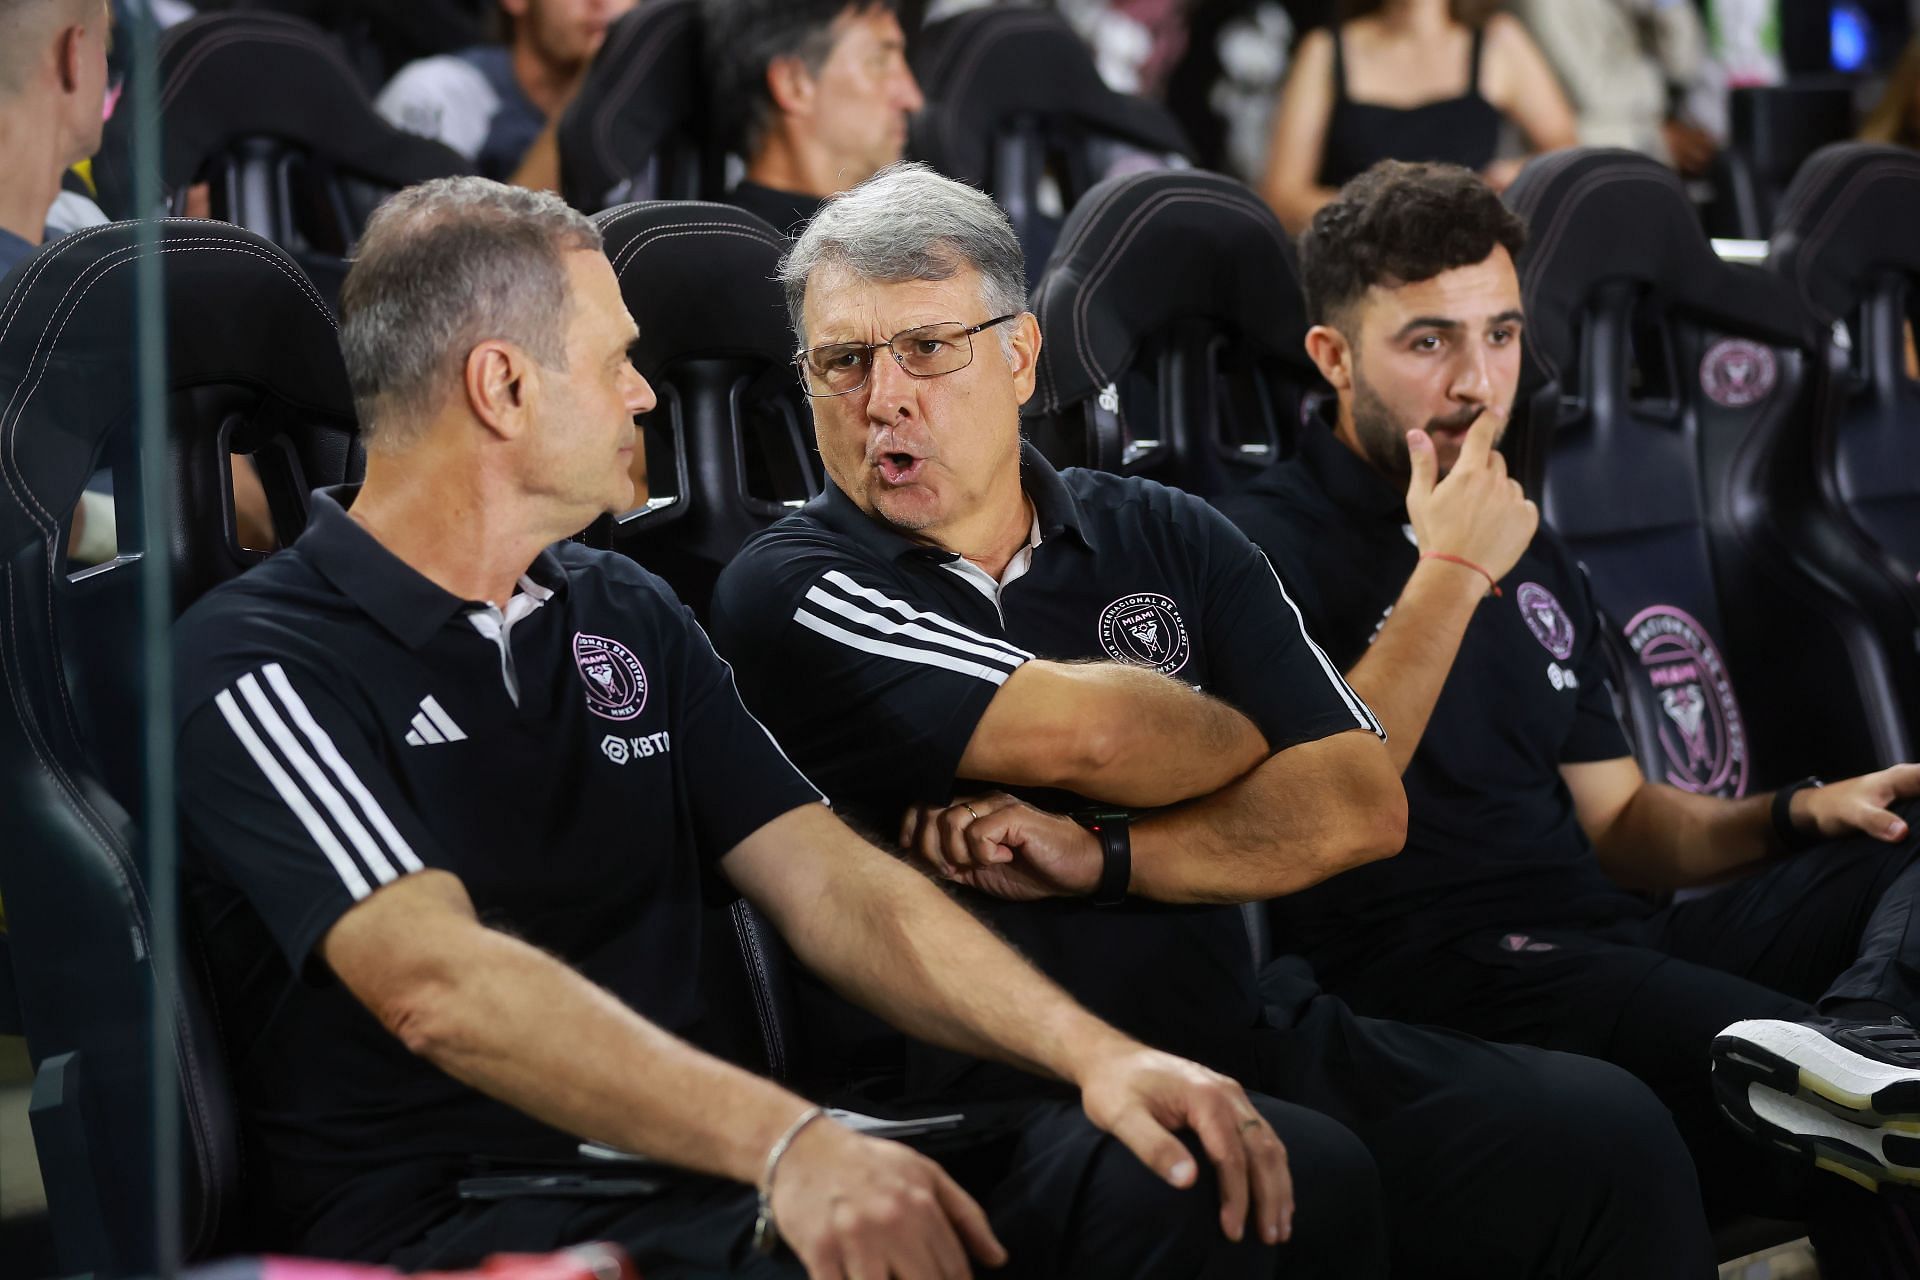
1023,355
791,86
498,379
68,53
1329,350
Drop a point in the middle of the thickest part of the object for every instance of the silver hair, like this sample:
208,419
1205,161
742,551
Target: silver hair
442,267
907,222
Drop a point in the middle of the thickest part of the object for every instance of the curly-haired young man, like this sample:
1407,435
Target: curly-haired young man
1423,569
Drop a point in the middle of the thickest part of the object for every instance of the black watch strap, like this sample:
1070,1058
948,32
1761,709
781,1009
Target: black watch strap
1791,838
1116,853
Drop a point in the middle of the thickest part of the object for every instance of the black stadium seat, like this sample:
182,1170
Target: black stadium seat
1774,130
252,367
1016,107
267,110
1845,244
1664,392
730,447
1173,325
380,36
637,130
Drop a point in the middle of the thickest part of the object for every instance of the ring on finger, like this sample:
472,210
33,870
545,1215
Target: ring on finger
970,812
1249,1123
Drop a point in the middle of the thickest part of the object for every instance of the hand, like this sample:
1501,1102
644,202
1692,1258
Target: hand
857,1208
1141,1096
1005,847
1477,512
1857,805
1691,147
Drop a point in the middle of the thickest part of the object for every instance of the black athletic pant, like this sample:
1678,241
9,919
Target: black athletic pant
1497,1162
1065,1199
1841,922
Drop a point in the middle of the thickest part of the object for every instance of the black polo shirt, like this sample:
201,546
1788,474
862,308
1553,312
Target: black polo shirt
873,660
344,722
1492,838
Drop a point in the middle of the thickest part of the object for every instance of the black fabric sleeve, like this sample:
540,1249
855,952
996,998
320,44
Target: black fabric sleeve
1263,660
737,776
1596,733
285,793
857,683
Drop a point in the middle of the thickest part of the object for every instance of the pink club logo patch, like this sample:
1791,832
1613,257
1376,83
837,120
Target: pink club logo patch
1546,619
1736,373
616,683
1702,734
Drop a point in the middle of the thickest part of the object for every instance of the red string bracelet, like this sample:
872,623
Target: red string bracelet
1462,560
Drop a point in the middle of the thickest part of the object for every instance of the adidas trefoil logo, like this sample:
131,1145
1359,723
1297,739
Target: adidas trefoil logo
432,724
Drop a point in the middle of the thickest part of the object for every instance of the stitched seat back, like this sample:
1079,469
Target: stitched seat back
1665,393
253,366
267,111
638,128
1016,107
1172,323
730,447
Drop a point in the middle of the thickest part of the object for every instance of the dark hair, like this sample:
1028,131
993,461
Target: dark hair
1400,223
741,38
1468,13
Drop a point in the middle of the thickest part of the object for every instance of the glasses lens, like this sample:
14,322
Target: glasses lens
936,349
837,369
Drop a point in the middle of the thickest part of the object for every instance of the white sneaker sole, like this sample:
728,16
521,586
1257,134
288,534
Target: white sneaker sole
1798,1060
1860,1153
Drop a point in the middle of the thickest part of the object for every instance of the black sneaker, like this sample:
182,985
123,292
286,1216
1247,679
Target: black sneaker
1845,1095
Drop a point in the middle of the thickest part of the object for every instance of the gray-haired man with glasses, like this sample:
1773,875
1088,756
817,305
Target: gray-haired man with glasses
955,623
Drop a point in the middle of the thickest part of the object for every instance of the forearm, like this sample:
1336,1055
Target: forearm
1667,839
520,1026
1114,733
1301,817
889,939
1406,666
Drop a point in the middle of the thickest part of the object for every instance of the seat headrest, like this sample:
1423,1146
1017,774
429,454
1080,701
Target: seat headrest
1141,251
698,279
1598,216
984,67
1852,211
228,76
237,311
644,86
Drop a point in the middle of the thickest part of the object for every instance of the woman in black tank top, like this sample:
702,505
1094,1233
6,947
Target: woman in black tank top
1407,80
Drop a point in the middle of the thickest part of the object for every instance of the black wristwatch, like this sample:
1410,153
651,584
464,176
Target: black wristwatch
1116,853
1792,839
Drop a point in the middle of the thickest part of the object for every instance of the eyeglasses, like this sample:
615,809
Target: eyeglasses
840,368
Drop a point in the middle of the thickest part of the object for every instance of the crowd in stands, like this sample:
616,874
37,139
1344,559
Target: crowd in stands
1060,692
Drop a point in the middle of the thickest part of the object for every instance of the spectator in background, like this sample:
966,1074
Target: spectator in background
1896,117
53,88
1385,82
814,93
490,102
1628,65
53,92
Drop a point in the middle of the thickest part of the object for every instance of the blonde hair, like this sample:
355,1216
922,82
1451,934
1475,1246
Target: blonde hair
1896,117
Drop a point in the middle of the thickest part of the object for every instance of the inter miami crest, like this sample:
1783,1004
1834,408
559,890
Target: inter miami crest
1546,619
1702,734
1145,630
616,683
